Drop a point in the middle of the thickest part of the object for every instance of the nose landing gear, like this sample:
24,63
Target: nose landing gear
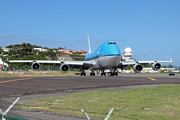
114,72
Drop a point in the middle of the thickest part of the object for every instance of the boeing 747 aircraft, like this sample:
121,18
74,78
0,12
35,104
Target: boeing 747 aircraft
106,56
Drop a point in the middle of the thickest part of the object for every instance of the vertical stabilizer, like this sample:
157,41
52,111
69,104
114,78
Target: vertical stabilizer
89,45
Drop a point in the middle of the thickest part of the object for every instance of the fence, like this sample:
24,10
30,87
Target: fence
22,117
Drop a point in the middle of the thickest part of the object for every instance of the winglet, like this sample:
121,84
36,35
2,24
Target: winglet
89,45
171,60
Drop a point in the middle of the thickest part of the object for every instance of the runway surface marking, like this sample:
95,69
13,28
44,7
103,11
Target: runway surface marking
152,78
14,80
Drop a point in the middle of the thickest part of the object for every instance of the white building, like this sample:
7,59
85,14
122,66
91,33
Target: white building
7,49
41,49
127,56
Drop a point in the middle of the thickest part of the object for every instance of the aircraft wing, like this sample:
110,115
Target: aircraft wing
142,62
38,61
70,63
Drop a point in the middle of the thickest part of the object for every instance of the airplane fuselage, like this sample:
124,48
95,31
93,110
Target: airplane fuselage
107,55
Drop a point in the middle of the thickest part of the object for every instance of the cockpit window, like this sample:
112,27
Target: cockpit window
111,43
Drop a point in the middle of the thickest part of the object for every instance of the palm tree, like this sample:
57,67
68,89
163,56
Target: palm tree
29,47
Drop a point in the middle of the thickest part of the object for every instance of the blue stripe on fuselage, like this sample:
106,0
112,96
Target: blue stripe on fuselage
108,48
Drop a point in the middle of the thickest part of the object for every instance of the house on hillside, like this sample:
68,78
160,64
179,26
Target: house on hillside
70,50
82,52
7,49
74,51
41,49
65,51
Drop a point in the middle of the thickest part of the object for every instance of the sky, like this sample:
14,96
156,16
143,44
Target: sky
151,28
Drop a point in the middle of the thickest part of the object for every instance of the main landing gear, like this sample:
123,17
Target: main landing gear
92,73
103,73
83,74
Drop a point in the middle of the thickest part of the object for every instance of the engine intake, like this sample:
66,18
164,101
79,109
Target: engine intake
156,66
36,66
65,68
137,68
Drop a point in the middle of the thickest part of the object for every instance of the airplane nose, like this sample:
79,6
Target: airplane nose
114,61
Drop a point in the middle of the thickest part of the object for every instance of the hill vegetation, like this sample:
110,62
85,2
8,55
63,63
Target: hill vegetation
25,51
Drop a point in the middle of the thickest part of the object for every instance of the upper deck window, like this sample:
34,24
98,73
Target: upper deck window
111,43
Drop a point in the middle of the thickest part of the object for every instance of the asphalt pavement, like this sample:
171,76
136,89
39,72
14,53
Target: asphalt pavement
36,87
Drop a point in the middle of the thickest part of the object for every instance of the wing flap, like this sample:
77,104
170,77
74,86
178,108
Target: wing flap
38,61
79,63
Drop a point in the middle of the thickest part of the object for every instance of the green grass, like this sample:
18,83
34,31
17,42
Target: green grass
157,103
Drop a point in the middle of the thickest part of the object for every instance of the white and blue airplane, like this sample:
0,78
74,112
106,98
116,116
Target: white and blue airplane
106,56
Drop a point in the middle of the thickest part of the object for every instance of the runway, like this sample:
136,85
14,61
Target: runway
35,85
29,88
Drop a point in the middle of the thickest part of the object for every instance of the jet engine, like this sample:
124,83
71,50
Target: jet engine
156,66
137,68
65,68
36,66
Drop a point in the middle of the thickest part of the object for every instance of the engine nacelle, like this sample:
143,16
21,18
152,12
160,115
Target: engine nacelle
156,66
65,68
36,66
137,68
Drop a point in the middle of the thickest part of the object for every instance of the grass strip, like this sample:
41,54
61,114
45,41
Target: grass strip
157,103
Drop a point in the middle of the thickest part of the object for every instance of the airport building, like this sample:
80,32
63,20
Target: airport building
127,56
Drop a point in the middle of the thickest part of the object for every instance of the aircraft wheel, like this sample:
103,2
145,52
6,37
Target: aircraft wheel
83,74
102,74
92,74
110,74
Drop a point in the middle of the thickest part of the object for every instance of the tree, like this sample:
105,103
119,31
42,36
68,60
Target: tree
12,52
29,47
36,52
1,51
10,46
170,66
164,66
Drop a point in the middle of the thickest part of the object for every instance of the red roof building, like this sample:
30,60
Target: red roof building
74,51
65,51
82,52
